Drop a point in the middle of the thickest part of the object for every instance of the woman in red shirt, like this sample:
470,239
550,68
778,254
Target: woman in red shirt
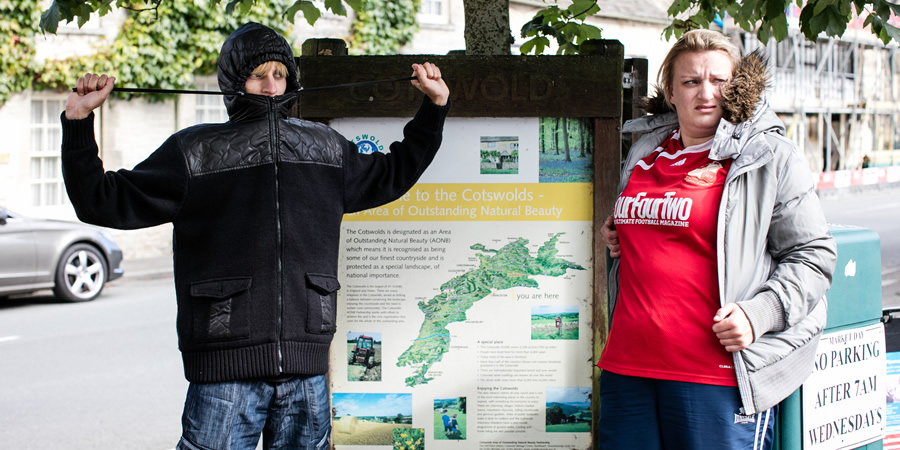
674,375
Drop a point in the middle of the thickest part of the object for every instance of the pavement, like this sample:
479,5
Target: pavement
147,268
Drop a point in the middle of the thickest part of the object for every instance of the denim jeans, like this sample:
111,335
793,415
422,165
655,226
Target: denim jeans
231,416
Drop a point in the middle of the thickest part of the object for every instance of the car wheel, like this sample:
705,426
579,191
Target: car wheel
80,274
369,361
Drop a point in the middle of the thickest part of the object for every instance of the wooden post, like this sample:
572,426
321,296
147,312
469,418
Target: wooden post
324,47
607,168
636,71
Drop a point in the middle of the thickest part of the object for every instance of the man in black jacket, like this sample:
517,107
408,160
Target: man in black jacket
256,205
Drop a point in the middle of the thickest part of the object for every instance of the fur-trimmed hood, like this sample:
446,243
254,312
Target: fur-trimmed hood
740,96
745,110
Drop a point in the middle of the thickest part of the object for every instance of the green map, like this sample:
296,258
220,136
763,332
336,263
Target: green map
506,268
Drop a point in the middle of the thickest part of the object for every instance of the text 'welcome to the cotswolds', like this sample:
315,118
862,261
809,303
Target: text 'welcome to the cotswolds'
487,202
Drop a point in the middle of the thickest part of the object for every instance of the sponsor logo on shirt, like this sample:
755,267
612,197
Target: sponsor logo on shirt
668,210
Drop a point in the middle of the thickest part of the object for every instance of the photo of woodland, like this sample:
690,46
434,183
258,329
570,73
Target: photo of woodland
566,150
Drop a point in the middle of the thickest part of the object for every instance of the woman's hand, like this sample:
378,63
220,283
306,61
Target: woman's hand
611,237
733,328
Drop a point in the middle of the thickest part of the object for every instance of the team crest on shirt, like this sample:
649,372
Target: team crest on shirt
704,176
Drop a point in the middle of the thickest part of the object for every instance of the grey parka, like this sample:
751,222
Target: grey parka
776,255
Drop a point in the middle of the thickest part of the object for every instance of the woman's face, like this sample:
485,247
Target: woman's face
696,79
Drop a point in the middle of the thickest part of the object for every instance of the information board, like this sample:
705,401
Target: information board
473,291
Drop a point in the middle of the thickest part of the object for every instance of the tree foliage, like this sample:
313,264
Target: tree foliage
17,32
381,27
566,26
163,49
555,415
768,18
80,11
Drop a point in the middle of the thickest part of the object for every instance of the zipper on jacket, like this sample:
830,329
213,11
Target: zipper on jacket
273,145
741,372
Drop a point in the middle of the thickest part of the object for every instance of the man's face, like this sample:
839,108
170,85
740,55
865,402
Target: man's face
269,82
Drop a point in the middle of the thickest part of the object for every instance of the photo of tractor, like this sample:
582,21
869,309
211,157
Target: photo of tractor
363,351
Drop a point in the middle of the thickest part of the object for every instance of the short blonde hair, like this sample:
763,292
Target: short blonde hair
263,69
693,41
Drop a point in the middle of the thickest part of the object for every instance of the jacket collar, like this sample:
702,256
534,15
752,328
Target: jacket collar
254,107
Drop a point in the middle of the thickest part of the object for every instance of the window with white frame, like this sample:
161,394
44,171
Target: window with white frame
209,108
434,12
46,139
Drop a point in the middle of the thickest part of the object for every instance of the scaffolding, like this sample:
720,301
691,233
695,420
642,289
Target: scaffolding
837,97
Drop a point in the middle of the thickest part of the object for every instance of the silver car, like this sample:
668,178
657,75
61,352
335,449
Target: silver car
73,259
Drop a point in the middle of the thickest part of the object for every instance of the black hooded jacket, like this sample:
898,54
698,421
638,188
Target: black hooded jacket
256,205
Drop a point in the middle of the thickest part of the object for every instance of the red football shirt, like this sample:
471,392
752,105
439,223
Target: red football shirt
666,222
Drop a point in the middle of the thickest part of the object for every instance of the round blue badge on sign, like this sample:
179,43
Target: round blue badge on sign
366,146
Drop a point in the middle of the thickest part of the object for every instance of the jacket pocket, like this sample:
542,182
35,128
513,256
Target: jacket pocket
220,309
321,297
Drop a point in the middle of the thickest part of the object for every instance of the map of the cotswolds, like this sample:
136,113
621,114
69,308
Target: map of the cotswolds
509,267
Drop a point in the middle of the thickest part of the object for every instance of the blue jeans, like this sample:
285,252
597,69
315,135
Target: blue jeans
648,414
231,416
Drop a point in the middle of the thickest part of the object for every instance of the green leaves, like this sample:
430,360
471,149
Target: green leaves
566,26
310,12
883,10
17,32
768,19
536,45
81,10
164,49
78,10
828,16
885,31
381,27
50,18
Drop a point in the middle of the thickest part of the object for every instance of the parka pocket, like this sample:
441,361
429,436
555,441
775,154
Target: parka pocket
221,309
321,297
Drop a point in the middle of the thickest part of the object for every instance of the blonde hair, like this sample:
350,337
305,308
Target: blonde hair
263,69
693,41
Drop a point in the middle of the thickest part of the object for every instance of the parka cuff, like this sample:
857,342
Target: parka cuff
764,312
431,116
